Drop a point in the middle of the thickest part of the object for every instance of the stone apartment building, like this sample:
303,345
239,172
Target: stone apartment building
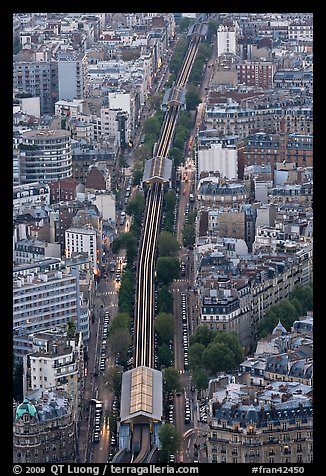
44,428
237,299
232,118
249,431
57,360
274,149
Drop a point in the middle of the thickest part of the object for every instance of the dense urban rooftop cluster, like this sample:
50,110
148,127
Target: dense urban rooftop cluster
82,85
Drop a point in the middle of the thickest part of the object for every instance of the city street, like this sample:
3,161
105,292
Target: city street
106,295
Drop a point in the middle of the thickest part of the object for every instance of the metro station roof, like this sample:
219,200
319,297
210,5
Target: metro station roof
141,395
164,176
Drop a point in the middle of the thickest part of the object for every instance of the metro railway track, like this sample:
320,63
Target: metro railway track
144,306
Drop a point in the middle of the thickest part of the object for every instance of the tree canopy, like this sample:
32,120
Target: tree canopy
172,380
167,269
168,244
170,440
164,326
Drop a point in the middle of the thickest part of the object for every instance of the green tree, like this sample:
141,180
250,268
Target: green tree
164,355
298,306
178,141
176,155
113,380
143,153
155,101
185,120
71,328
152,126
219,358
184,24
137,176
204,51
119,341
164,326
268,323
212,26
136,205
192,100
120,321
168,244
232,341
126,291
172,380
170,441
165,300
188,235
304,294
195,355
170,200
200,379
167,269
168,223
203,335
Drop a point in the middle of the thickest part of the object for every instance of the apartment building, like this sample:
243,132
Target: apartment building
248,430
217,157
44,428
57,360
40,78
45,156
72,76
213,191
34,193
81,239
233,119
42,301
226,38
236,298
258,74
274,149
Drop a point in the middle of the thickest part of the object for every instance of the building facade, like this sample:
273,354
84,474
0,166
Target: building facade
45,156
40,78
267,433
42,301
44,429
81,239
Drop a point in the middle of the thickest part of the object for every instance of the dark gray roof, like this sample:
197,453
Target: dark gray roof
261,414
165,175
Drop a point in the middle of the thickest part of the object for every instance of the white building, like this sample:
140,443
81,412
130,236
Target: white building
125,102
218,158
69,108
266,215
28,250
42,301
34,193
105,203
53,360
109,121
45,156
56,361
30,106
226,39
79,240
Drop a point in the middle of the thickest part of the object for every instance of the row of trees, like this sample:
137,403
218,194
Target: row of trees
189,230
288,310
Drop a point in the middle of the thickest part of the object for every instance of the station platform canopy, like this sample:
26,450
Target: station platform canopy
157,169
141,392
